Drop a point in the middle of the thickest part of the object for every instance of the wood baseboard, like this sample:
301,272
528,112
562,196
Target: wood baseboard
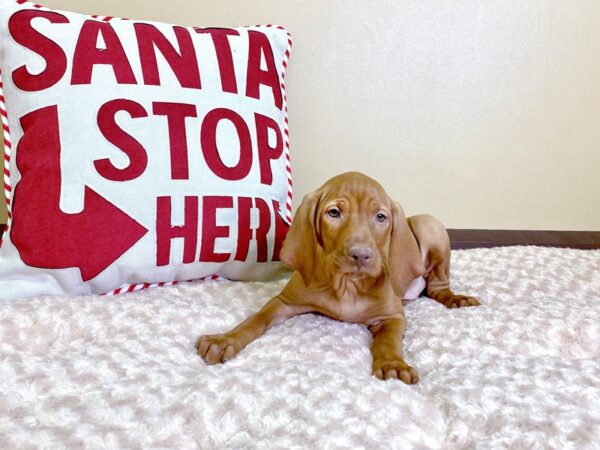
586,240
462,238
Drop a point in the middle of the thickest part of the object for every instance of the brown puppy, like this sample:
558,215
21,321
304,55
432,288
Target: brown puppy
356,257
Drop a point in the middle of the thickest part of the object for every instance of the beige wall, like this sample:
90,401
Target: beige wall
486,114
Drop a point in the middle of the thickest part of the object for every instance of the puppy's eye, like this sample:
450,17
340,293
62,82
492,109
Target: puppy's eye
380,217
334,213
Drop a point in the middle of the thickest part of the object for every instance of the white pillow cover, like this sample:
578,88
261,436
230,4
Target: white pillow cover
139,152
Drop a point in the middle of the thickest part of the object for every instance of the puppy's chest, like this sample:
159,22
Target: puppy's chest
347,310
347,303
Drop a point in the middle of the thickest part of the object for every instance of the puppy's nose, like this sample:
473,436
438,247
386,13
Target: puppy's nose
361,255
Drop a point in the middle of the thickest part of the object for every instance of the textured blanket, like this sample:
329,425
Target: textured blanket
520,371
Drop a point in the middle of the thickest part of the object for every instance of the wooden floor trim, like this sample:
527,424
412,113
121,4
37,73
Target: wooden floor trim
464,238
585,240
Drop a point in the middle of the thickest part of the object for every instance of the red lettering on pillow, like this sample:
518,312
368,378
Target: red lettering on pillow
208,142
220,37
43,234
176,114
244,228
138,159
266,153
281,229
264,225
184,63
210,231
165,231
87,55
24,34
260,47
188,231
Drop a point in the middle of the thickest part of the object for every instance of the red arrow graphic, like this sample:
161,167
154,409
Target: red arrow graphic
44,235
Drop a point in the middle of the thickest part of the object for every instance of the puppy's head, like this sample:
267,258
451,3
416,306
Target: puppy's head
350,226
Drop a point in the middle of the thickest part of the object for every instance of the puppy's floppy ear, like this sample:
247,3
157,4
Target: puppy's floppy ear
300,246
405,261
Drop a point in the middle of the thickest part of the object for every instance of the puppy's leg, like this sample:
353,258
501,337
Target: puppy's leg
217,348
438,283
434,241
387,351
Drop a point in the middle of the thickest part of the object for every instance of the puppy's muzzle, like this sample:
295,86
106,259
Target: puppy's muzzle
362,256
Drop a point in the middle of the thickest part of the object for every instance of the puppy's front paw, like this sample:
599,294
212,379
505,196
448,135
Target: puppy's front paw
217,348
395,369
460,301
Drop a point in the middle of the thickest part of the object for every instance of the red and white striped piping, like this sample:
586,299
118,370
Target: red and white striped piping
286,137
141,286
7,156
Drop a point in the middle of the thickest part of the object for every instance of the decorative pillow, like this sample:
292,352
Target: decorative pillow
139,152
